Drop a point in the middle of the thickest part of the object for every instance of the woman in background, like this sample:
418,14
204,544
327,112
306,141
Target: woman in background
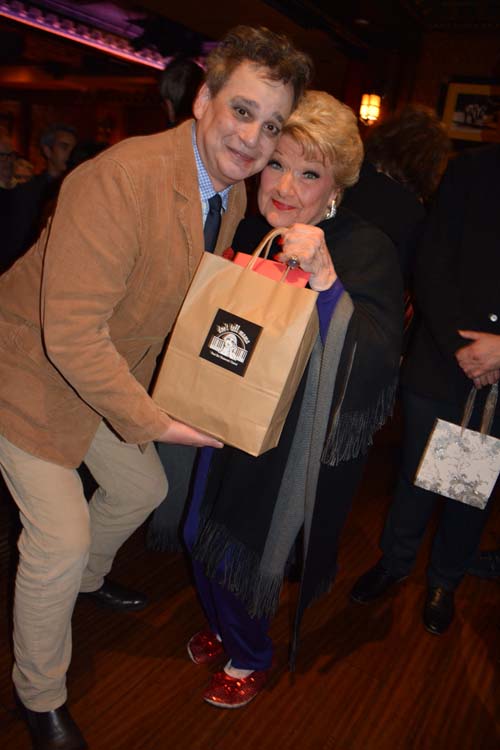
405,157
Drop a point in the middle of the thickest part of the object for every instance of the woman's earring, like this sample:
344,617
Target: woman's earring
330,214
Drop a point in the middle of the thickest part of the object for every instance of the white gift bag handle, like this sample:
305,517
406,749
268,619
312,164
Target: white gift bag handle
488,411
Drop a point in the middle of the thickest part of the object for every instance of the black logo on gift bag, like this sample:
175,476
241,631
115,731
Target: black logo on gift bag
230,342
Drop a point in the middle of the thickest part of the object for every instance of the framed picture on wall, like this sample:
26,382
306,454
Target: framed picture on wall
472,111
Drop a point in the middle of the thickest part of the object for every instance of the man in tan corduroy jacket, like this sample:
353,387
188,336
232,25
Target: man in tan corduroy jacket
83,317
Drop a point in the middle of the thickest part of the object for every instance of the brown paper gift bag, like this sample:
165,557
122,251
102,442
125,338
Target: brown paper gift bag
237,353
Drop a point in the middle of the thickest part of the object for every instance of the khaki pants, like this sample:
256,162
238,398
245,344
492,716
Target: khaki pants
67,546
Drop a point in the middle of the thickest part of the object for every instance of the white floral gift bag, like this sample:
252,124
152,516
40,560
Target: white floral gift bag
460,463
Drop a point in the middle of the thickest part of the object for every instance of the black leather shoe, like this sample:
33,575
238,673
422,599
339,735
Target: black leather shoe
373,584
114,596
53,730
486,564
439,610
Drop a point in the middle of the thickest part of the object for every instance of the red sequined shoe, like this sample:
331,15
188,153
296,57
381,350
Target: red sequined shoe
225,691
204,647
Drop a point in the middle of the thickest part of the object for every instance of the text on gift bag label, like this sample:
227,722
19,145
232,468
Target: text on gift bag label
230,342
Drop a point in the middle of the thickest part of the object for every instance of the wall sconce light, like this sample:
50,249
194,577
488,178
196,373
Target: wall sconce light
369,110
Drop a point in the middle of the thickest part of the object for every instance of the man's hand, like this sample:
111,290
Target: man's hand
480,357
181,434
489,378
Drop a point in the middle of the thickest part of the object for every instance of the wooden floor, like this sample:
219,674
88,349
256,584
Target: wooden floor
368,677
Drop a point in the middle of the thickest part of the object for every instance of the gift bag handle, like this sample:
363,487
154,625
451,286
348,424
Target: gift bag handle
265,244
488,411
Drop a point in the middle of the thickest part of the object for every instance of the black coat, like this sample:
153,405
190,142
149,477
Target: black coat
457,276
23,215
391,207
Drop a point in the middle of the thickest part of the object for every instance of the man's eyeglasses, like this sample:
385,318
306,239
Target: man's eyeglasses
7,155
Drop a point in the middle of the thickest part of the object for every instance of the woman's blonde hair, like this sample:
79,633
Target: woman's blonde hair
321,124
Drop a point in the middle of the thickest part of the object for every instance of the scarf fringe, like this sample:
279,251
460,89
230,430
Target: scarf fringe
237,569
163,540
322,588
352,433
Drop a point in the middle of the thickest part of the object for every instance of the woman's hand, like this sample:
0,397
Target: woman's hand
307,243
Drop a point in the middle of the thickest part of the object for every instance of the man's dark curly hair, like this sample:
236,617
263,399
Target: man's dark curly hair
264,48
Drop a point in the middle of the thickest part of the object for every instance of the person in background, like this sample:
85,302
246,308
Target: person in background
455,347
483,351
84,150
404,160
179,84
246,513
33,201
7,161
405,157
83,317
56,144
23,170
7,224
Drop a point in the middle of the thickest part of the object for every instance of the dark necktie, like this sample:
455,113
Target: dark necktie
212,222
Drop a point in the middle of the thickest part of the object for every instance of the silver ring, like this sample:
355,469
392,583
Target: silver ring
293,262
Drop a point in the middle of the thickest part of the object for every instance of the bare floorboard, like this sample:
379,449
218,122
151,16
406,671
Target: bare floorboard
367,678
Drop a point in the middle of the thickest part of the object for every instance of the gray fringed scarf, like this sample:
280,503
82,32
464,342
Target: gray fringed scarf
254,508
296,498
255,576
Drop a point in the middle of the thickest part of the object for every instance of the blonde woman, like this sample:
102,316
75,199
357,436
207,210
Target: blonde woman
247,513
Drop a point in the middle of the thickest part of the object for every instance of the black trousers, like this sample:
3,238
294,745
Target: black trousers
460,526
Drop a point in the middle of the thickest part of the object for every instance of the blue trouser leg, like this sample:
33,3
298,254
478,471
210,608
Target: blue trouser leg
244,638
